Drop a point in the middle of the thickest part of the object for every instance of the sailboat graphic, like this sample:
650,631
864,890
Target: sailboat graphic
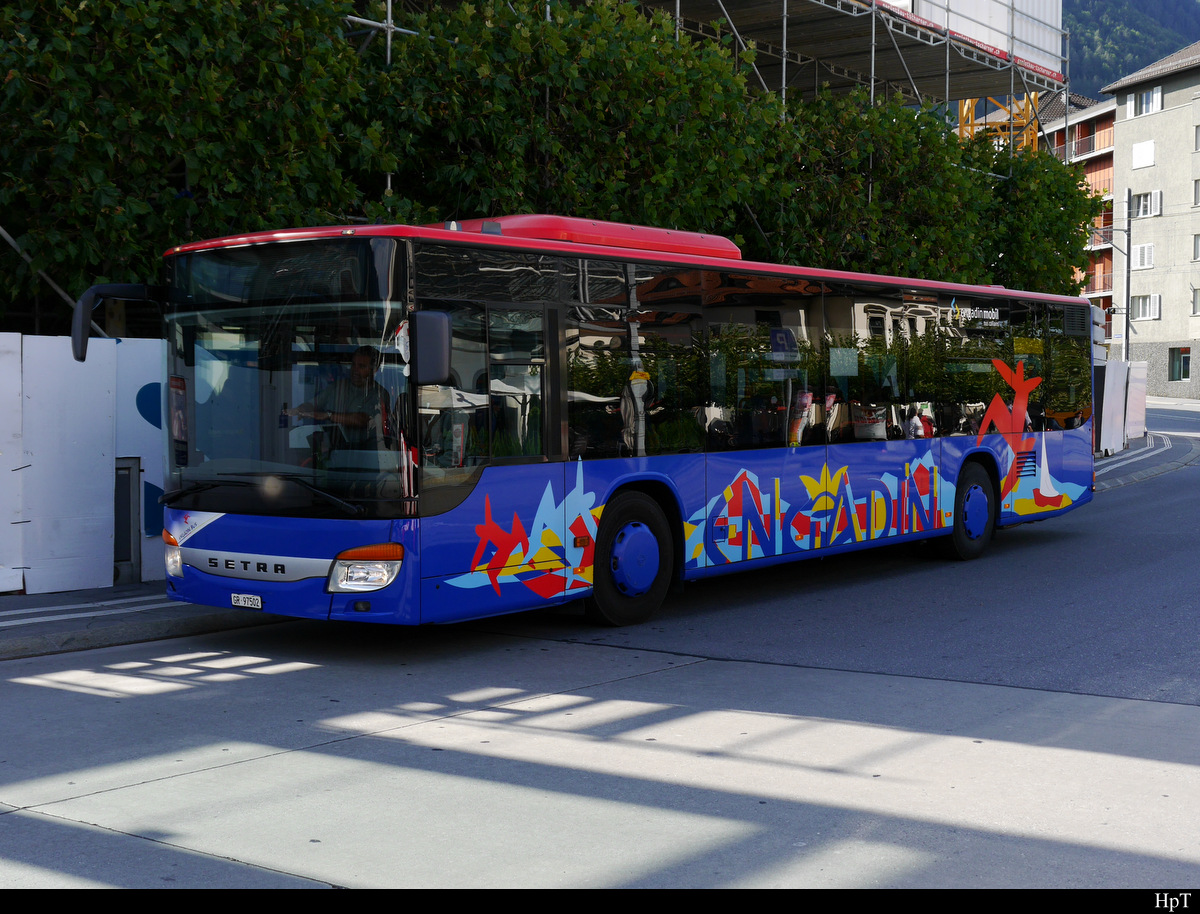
1045,495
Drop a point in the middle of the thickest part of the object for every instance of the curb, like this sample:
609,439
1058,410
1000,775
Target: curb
1188,459
132,628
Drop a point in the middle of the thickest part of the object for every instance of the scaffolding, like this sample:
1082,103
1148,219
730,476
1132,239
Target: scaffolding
969,52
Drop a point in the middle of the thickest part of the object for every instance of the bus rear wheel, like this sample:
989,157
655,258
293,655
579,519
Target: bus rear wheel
633,561
974,513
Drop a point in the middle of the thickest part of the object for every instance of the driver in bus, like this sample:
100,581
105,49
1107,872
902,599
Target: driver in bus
357,405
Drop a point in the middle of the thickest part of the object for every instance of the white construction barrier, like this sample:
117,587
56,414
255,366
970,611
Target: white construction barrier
63,426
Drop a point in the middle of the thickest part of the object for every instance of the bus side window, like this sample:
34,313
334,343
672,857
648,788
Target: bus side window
766,373
450,414
635,382
515,382
597,368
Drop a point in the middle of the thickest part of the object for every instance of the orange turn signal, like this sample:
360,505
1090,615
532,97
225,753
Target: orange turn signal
380,552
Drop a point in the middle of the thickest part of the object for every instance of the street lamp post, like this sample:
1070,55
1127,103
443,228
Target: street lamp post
1124,309
1128,266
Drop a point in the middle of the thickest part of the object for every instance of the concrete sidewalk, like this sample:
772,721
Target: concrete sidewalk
1192,406
35,624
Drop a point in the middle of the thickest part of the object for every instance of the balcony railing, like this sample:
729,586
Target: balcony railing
1085,145
1099,281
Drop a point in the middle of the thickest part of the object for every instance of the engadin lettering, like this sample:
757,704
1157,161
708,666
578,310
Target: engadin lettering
980,314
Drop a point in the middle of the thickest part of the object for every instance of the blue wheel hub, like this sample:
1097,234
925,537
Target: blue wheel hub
975,512
635,559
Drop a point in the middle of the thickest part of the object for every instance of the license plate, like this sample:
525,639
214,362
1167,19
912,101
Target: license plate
247,600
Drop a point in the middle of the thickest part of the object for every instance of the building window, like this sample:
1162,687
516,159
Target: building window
1144,307
1196,302
1143,257
1147,204
1180,367
1196,146
1145,102
1142,154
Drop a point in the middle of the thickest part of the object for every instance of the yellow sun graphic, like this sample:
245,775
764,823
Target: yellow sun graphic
822,490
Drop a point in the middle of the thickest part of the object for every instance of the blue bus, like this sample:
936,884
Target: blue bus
413,425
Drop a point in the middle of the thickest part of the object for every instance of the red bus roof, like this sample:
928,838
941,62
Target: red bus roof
606,234
532,227
597,238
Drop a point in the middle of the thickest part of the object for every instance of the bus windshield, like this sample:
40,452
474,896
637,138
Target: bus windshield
287,380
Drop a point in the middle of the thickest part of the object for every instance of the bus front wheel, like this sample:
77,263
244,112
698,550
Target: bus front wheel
974,513
633,561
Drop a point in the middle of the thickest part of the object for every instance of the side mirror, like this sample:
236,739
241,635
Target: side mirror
81,321
430,347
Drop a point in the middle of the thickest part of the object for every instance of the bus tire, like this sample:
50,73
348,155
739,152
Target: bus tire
633,561
974,513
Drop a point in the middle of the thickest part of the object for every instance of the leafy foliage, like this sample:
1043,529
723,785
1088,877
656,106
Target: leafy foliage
1039,218
598,112
877,189
133,124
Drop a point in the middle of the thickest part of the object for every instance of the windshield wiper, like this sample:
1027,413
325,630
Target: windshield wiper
328,496
305,484
169,498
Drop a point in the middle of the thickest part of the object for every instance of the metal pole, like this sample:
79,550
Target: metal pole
1069,156
1012,78
1128,264
389,67
783,71
741,43
50,282
949,119
874,17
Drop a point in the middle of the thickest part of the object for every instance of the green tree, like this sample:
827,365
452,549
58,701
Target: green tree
876,188
598,112
1039,214
130,124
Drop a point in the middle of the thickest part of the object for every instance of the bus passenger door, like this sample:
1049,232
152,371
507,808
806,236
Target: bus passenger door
493,498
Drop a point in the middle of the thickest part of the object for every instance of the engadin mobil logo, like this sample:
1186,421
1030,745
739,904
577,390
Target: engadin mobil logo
191,522
973,314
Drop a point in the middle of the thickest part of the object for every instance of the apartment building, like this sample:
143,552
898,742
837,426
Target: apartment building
1080,129
1157,168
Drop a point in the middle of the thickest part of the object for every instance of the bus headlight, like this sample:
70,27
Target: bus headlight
172,555
366,568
